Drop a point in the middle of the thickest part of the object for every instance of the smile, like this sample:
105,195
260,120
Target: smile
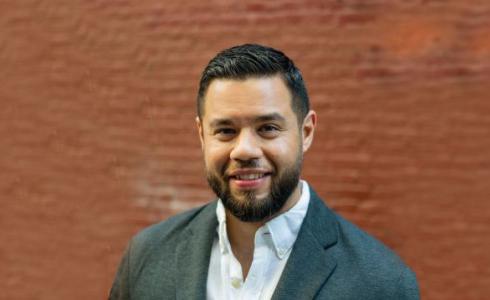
249,176
249,179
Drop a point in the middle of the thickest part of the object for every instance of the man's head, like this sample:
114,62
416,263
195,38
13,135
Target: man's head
253,132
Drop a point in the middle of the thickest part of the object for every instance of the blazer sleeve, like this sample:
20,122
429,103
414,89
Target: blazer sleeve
408,288
120,286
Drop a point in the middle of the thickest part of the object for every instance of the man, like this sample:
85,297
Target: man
268,235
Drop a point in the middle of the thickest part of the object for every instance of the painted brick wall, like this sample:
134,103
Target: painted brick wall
97,134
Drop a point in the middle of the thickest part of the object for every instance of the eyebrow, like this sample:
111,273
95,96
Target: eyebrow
263,118
270,117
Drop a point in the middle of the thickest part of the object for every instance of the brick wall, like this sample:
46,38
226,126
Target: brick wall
97,135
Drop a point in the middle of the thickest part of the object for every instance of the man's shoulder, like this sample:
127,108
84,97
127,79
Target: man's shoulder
366,261
354,241
367,249
374,264
171,229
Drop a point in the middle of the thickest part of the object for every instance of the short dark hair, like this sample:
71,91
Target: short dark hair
252,60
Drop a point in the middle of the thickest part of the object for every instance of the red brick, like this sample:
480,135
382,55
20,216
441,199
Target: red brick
98,137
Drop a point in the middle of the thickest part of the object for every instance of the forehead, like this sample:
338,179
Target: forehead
247,98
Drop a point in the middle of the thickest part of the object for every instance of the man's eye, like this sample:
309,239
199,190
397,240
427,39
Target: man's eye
268,128
225,131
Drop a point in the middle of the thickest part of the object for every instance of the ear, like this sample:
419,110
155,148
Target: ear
200,130
308,129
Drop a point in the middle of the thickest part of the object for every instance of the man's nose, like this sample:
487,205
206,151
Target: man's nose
247,147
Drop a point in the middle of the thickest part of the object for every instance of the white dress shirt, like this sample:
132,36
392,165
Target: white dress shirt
273,244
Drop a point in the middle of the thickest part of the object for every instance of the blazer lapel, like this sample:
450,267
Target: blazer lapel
193,253
312,259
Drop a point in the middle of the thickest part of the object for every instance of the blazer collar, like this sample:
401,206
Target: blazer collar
313,254
193,254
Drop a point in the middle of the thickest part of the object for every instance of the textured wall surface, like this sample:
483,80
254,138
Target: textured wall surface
97,134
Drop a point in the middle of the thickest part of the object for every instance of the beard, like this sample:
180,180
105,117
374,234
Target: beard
249,208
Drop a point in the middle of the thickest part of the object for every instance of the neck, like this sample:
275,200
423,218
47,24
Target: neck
242,234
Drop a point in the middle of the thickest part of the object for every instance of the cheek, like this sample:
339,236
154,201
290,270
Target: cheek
282,152
216,156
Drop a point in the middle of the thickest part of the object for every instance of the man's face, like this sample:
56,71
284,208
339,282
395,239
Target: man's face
253,145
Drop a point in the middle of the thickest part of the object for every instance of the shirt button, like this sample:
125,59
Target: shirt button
236,283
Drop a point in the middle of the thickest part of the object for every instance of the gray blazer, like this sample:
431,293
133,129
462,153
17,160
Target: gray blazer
331,259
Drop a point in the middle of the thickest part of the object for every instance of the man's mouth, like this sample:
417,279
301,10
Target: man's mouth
249,176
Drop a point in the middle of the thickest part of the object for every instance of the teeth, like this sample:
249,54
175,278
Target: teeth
249,176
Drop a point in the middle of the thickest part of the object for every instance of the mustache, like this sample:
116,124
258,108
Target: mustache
247,164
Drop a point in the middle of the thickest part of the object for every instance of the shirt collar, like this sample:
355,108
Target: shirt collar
283,229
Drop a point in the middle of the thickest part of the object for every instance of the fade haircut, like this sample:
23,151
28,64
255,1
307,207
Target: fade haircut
252,60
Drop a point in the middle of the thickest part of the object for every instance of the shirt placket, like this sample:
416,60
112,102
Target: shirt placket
254,282
235,278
